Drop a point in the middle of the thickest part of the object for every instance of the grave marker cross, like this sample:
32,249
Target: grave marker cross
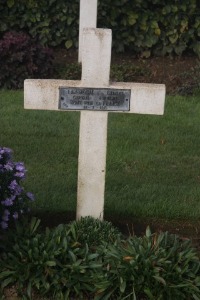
87,19
144,99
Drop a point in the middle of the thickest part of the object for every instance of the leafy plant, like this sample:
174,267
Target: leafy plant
152,28
24,229
156,266
21,58
50,263
14,200
144,27
93,231
53,23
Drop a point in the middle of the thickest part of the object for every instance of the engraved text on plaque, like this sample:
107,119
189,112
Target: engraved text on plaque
94,99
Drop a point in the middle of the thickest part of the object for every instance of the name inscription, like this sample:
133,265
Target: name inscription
94,99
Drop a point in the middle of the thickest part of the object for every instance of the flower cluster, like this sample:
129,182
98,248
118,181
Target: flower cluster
13,199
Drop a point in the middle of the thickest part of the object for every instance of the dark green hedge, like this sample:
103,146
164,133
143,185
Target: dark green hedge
145,27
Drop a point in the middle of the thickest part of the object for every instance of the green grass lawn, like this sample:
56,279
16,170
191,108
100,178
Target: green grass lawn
153,162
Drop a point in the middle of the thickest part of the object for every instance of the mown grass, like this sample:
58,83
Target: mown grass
153,162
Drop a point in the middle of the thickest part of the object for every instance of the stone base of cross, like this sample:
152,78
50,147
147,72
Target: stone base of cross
45,95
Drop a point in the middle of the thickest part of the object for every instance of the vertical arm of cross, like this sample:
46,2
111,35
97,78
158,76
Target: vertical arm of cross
88,18
96,57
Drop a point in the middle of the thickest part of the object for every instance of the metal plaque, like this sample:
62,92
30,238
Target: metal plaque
78,98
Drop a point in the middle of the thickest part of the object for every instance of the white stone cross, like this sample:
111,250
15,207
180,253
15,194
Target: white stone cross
44,94
87,19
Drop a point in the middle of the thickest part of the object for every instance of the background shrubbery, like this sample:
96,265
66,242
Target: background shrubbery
146,28
157,27
22,57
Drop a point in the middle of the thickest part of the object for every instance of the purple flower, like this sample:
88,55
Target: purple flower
13,185
5,150
15,215
5,153
20,175
15,188
13,198
8,201
20,166
4,225
30,196
18,190
9,166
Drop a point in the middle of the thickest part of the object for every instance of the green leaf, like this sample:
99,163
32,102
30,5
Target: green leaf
51,263
6,282
160,279
65,243
68,44
195,297
69,20
173,38
72,256
29,289
122,285
10,3
154,25
146,54
92,256
95,266
149,294
132,18
157,31
148,231
105,296
34,224
5,274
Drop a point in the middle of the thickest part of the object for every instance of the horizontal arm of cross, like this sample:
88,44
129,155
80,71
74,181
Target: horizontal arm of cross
44,94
